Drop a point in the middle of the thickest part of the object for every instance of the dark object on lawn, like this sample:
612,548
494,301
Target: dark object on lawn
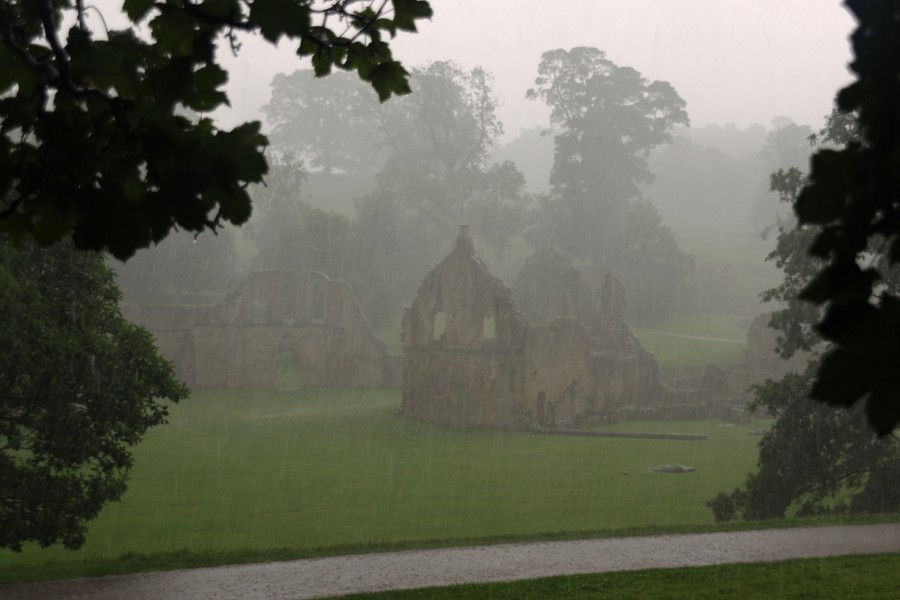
672,469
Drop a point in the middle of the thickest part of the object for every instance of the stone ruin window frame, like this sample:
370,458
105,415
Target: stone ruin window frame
489,327
288,302
438,326
318,303
258,307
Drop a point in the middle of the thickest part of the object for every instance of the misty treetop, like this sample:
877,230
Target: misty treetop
607,119
94,140
852,198
430,153
449,120
432,150
326,120
786,146
443,132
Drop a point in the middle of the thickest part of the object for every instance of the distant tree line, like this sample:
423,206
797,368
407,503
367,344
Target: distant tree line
427,159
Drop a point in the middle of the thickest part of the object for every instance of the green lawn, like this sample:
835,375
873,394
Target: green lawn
254,476
257,471
858,577
675,342
723,325
672,351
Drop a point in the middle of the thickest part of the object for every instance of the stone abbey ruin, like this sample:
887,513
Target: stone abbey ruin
275,328
471,359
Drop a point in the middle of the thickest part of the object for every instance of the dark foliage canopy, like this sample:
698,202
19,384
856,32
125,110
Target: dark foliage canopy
80,386
815,459
853,197
94,141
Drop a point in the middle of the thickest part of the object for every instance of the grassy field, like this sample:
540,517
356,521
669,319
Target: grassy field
717,325
686,340
695,340
859,577
674,351
257,476
261,471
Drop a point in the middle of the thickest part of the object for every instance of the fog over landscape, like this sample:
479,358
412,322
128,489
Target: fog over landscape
562,290
735,62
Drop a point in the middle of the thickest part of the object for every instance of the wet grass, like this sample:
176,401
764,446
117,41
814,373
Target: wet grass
666,340
860,577
730,325
672,351
252,476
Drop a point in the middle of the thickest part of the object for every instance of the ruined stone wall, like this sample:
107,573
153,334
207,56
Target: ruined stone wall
624,373
619,377
464,389
318,356
471,359
177,346
762,359
561,381
303,322
464,344
724,391
171,326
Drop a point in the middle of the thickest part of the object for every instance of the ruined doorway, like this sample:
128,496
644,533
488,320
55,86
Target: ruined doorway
289,369
439,327
542,409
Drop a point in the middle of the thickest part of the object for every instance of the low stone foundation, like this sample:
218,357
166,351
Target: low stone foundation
692,437
286,329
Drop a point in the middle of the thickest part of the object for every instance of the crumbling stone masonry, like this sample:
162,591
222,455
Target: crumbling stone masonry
470,359
724,391
298,327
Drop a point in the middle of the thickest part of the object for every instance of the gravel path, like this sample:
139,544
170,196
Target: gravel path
323,577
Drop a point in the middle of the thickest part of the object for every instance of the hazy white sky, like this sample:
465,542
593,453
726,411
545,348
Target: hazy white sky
733,61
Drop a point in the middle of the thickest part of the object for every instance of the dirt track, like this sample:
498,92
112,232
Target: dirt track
322,577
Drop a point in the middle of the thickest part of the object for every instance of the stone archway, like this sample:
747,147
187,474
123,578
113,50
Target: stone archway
290,369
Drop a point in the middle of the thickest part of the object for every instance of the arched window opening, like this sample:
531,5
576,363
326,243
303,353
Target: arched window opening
440,325
489,328
288,369
317,303
258,307
288,302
